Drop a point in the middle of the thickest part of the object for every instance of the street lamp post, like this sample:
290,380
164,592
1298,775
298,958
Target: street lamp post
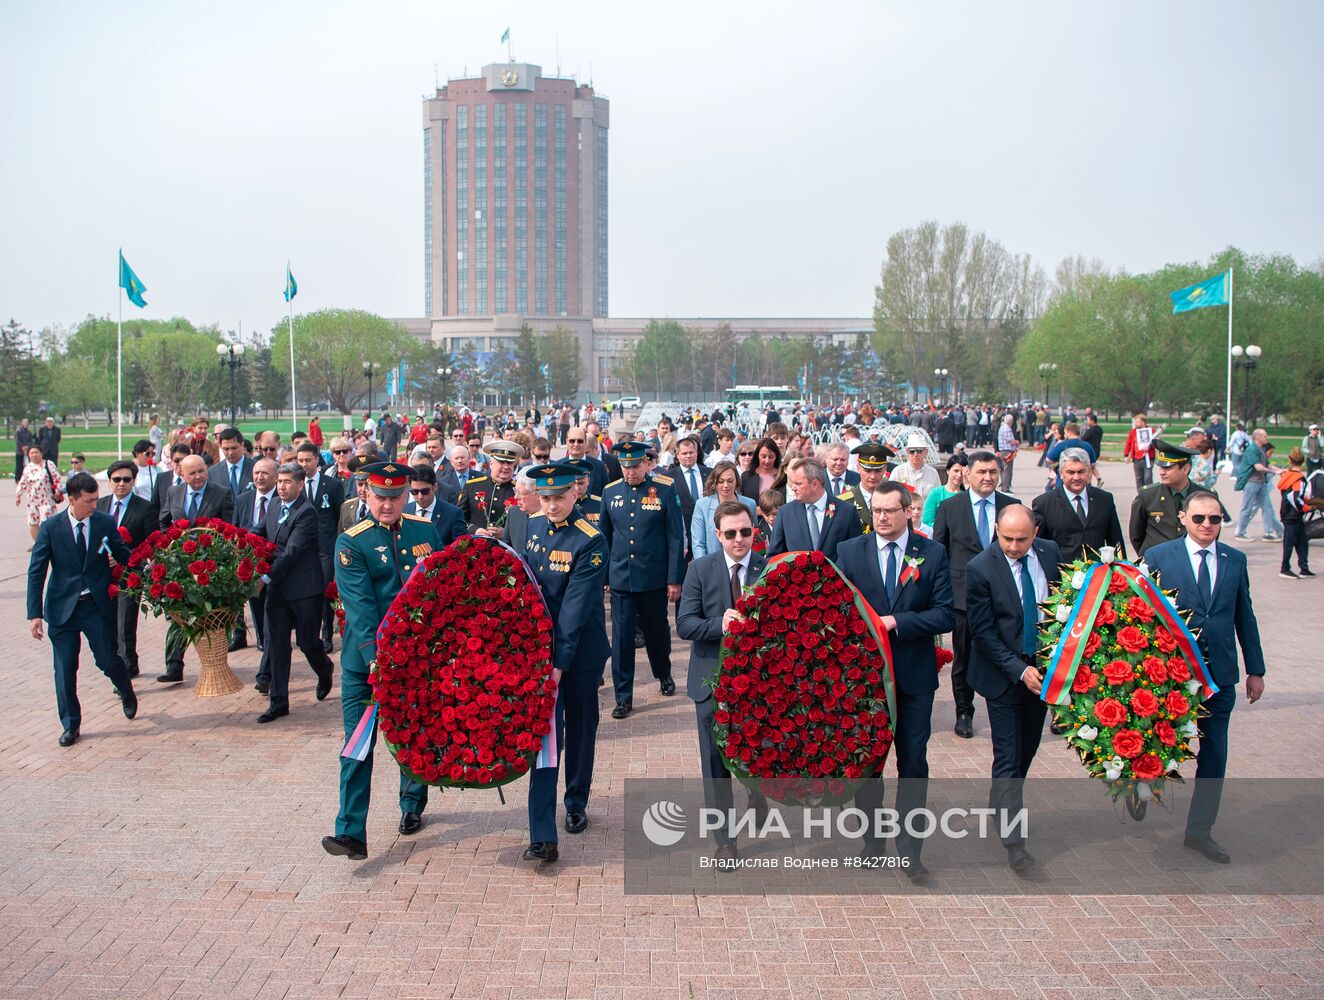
232,356
941,374
445,374
1046,372
1246,358
370,368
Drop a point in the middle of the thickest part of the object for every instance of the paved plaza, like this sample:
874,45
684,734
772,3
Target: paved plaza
178,856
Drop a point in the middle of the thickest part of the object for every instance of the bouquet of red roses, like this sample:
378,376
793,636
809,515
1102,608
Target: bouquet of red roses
195,572
1125,677
463,677
804,684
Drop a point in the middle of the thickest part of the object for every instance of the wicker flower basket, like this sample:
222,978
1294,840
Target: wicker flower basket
212,641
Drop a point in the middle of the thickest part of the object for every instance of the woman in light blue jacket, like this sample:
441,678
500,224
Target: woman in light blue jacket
722,484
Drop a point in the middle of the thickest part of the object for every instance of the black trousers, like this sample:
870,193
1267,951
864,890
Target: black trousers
717,786
126,624
962,692
1295,540
911,730
258,606
302,616
1016,724
1211,763
649,609
67,642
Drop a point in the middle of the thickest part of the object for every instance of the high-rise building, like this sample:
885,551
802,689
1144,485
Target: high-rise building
515,197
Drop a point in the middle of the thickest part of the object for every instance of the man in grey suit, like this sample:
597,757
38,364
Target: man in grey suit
712,586
195,497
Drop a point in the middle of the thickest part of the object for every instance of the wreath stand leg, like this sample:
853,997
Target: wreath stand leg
1135,805
215,678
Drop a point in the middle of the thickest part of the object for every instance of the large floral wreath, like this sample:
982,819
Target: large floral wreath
463,679
804,684
1125,678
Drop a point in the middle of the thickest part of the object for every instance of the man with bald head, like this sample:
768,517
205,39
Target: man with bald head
195,497
1005,588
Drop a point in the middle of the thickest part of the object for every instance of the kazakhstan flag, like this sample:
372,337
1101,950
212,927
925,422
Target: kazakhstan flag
131,283
291,287
1212,292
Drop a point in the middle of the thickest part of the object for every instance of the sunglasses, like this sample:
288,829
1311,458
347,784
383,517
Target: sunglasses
742,532
541,458
915,451
1214,519
121,479
270,448
423,492
340,451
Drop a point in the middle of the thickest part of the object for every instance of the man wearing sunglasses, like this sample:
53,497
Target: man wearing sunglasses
916,471
1213,585
137,518
445,517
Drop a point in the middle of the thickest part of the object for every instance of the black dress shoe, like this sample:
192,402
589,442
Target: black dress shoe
133,670
129,702
668,686
1207,847
639,642
410,823
69,737
323,687
238,641
965,726
327,644
725,855
544,852
272,714
342,846
622,710
171,677
916,870
1019,858
260,648
576,822
261,688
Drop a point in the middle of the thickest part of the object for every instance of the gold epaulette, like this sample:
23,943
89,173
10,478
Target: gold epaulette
476,479
612,483
418,517
588,529
847,496
664,480
536,513
594,496
360,528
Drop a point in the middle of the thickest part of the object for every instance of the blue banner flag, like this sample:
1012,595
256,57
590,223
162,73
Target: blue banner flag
131,283
1212,292
291,287
505,35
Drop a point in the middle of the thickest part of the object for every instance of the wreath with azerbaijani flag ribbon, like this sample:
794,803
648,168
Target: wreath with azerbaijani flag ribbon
805,691
1125,677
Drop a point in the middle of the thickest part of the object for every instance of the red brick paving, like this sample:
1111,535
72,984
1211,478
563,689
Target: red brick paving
177,856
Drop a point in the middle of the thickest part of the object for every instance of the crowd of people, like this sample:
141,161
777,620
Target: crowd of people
670,520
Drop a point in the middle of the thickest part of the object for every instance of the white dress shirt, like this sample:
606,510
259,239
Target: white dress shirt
817,509
256,509
1193,551
1036,575
901,542
1071,499
922,480
145,480
744,568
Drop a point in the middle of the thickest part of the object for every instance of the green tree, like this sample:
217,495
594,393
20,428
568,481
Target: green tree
76,386
558,350
656,361
24,374
527,368
179,367
330,347
467,382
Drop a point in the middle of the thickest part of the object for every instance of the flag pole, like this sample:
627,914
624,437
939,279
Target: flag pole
294,405
1227,413
119,374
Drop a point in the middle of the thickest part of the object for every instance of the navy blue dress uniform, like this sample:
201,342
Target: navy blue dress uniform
645,536
484,500
77,603
569,561
1222,617
372,563
923,608
589,504
1154,511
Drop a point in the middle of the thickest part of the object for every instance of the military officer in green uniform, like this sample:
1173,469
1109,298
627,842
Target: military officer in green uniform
373,560
1154,511
485,499
872,461
568,557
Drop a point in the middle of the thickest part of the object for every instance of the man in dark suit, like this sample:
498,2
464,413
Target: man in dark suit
688,476
193,498
161,487
447,518
453,474
713,584
1005,586
234,472
576,448
598,450
813,520
252,516
294,588
326,495
133,516
1212,583
1076,515
965,526
48,439
72,547
905,579
839,477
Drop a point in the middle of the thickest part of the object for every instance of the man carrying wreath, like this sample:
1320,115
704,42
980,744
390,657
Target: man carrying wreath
568,557
372,562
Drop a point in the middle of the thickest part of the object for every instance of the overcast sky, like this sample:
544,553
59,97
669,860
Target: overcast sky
761,153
